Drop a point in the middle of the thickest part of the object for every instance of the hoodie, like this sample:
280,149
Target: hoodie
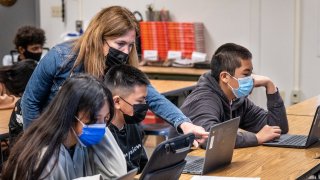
207,105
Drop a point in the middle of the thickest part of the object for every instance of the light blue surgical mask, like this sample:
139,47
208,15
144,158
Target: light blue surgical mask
245,86
91,134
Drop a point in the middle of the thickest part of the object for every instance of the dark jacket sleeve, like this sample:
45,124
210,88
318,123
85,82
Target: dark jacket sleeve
143,160
143,157
256,117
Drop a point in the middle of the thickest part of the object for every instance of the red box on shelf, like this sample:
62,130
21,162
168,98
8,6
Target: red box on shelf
151,118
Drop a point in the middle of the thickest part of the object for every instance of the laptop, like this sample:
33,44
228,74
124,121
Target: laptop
219,150
129,176
299,141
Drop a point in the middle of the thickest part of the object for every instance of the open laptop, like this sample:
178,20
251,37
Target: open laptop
129,176
300,141
219,151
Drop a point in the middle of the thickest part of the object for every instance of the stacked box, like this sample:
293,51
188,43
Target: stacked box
176,36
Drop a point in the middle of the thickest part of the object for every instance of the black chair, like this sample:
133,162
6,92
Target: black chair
4,137
168,159
158,129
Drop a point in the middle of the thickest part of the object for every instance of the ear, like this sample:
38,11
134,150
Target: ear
21,49
224,77
116,101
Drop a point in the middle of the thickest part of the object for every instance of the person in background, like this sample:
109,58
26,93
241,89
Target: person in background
29,43
129,90
108,40
13,80
70,139
222,94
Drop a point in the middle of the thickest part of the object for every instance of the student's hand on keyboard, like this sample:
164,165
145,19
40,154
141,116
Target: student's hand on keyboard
268,133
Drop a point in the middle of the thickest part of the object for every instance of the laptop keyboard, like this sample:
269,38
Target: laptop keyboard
195,165
298,140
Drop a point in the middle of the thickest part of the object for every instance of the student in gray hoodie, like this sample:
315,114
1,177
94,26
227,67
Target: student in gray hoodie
221,94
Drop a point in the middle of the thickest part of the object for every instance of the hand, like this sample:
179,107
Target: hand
198,131
265,82
268,133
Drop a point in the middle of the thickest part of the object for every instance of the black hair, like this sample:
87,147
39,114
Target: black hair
80,93
227,58
16,76
125,77
29,35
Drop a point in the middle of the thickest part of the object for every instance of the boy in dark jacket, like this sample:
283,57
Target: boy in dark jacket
221,94
129,90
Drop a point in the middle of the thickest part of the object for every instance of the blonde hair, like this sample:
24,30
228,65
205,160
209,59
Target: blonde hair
109,23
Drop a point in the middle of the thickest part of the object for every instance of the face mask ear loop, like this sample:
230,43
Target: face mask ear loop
234,79
75,134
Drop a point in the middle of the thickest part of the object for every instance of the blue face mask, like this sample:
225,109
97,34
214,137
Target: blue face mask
92,134
245,86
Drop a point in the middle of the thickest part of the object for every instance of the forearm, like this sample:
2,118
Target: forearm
246,139
277,112
164,108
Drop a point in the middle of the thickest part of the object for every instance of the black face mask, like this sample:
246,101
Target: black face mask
139,113
116,57
30,55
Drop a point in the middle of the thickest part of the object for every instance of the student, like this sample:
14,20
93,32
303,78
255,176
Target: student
13,80
70,138
108,40
129,90
29,43
221,94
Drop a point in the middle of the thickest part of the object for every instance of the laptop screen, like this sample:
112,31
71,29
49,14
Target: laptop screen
314,134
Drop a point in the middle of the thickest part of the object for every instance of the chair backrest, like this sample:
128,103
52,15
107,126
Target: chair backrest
15,123
168,159
14,54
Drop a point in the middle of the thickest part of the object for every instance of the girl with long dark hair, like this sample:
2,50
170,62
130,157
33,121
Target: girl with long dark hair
70,138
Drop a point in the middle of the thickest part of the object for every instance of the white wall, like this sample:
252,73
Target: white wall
53,26
266,27
310,54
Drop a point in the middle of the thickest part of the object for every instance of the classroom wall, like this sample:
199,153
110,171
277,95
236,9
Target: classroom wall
11,18
310,48
266,27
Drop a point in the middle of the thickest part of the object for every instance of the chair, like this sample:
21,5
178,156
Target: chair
158,129
4,136
168,159
12,57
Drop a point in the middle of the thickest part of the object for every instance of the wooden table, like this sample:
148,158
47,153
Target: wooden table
305,108
172,87
273,162
175,91
173,73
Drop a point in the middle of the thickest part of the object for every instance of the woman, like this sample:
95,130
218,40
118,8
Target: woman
108,40
13,80
70,138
